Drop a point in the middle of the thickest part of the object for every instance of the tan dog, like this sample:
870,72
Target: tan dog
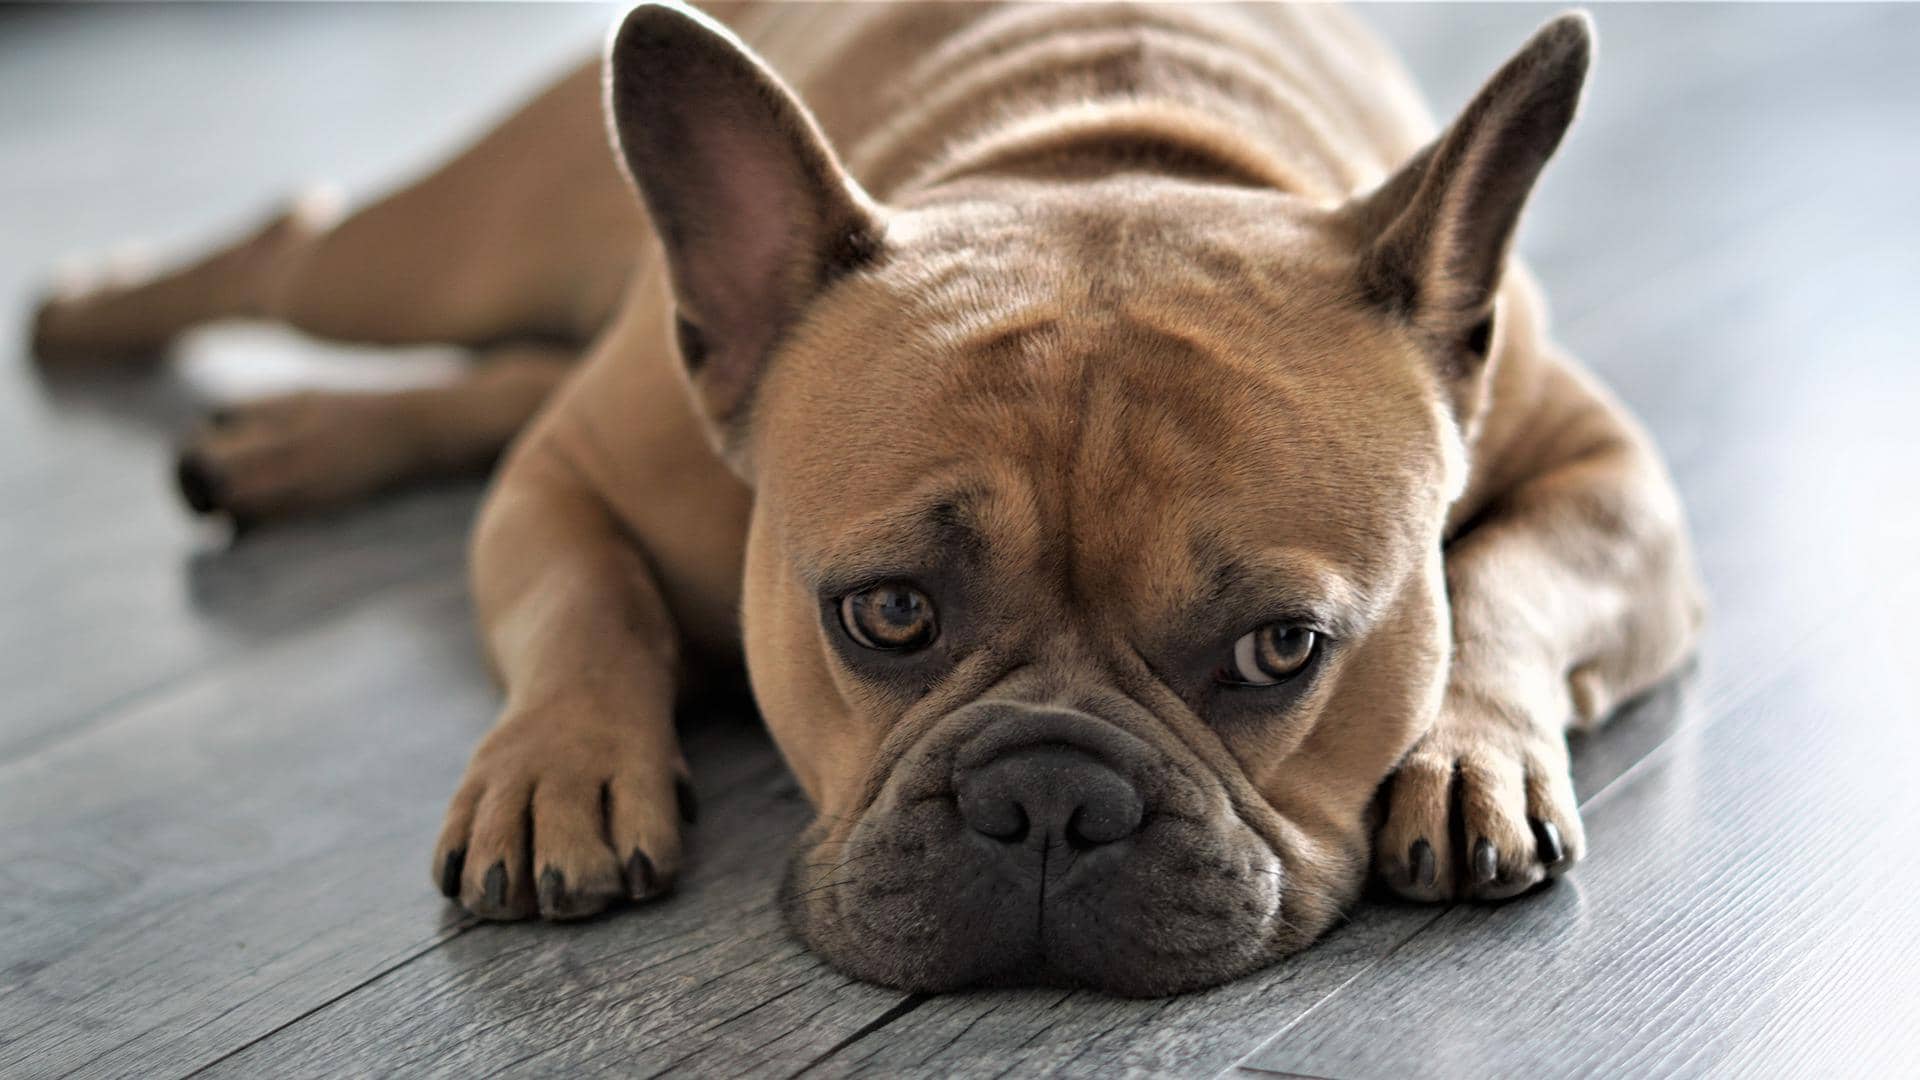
1117,435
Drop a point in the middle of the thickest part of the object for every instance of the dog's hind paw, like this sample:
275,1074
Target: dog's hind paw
1482,809
561,818
279,456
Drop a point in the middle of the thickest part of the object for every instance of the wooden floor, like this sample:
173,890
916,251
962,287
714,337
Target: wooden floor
222,764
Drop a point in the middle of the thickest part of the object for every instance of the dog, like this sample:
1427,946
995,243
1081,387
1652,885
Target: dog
1137,478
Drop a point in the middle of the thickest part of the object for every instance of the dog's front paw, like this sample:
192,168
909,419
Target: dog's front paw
560,818
1482,809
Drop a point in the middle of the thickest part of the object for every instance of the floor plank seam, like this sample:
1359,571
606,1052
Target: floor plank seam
709,1029
215,1018
905,1006
445,936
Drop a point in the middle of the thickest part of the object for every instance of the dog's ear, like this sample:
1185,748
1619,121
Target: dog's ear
1434,236
752,207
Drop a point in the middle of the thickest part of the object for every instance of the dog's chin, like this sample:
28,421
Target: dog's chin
913,900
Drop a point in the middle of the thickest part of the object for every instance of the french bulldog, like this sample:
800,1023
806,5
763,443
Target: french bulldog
1117,440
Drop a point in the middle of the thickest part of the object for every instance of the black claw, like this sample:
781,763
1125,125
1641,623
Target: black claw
1420,862
639,875
450,869
1552,851
222,418
1486,861
553,890
496,885
689,806
197,484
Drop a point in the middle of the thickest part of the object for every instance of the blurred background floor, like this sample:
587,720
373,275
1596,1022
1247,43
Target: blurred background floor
222,764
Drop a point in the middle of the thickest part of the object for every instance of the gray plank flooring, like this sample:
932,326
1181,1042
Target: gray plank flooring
222,763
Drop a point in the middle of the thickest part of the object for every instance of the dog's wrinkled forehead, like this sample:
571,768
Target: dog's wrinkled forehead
1142,407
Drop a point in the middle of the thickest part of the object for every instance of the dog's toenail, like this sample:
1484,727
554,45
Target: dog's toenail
496,885
1420,862
197,484
222,418
1552,851
553,890
450,869
639,875
689,806
1486,861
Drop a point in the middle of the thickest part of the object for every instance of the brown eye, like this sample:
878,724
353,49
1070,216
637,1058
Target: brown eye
1272,654
893,617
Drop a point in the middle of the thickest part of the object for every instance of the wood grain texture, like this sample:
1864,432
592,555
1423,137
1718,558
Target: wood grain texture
706,980
232,852
221,766
252,845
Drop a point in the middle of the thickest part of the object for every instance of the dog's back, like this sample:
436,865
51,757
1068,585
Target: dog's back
1299,97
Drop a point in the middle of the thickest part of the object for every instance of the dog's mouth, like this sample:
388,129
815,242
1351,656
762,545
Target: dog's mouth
1051,860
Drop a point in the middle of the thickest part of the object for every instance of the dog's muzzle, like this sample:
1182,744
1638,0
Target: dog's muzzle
1023,843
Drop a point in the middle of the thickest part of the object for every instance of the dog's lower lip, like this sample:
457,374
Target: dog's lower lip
979,924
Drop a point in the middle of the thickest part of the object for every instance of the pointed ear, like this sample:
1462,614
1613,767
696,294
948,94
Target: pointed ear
753,209
1435,235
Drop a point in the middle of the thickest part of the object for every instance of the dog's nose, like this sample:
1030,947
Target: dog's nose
1048,795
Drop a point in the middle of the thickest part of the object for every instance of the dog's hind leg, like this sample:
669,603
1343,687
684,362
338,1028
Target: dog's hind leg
528,233
307,451
125,313
519,248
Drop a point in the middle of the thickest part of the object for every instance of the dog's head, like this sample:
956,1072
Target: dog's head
1094,583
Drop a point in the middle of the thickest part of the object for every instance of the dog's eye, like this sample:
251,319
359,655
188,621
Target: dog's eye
1271,655
895,617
